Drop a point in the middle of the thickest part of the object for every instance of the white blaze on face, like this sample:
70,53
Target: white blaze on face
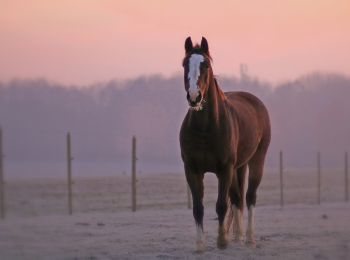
193,75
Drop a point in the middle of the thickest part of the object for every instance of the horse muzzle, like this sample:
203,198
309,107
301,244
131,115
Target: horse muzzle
194,101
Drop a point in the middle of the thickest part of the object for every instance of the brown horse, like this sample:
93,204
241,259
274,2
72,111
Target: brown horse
223,133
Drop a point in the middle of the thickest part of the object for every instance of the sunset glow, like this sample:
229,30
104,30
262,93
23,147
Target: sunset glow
82,42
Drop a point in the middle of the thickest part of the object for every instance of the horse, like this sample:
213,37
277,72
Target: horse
224,133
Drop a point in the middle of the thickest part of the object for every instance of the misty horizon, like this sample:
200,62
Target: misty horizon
122,82
36,115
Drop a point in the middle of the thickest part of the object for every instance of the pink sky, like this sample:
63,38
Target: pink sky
86,41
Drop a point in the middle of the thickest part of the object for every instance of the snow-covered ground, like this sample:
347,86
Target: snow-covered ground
103,227
295,232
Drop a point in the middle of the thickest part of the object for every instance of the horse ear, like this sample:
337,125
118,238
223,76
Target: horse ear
204,46
188,45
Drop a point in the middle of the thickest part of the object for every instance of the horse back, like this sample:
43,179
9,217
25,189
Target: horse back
248,105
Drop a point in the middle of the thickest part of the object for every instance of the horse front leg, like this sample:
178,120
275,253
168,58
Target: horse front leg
195,182
225,178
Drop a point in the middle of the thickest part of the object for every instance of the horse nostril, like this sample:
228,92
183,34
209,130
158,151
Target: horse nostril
199,97
188,96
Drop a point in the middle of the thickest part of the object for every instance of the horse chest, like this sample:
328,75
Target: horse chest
206,152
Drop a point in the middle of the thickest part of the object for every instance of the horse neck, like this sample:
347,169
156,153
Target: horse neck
208,117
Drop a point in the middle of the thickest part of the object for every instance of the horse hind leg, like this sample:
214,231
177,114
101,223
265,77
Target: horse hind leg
237,200
256,165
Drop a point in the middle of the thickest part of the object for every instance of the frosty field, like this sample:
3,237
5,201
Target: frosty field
103,227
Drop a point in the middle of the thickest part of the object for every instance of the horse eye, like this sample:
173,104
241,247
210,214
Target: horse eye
205,65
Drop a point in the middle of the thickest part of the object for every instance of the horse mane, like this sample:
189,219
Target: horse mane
218,89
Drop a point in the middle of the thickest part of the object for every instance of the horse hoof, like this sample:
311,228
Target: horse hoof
200,246
251,242
239,239
222,242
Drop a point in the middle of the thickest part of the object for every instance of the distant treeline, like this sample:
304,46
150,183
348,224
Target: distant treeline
309,114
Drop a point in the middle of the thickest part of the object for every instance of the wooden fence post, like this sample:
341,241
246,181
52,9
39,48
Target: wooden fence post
189,205
2,184
346,178
133,174
69,174
281,179
318,178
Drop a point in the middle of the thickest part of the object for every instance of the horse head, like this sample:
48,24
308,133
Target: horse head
197,72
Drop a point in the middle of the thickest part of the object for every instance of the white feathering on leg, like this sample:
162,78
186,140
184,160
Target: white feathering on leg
200,239
238,226
250,228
